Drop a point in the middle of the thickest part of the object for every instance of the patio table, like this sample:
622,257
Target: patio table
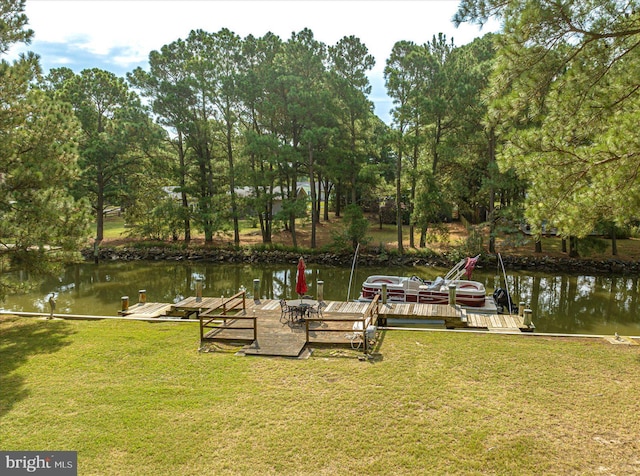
301,307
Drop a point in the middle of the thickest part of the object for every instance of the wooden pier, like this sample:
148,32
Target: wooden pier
454,317
260,325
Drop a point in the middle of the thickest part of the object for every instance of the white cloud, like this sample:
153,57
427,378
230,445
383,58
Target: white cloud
62,60
119,35
143,26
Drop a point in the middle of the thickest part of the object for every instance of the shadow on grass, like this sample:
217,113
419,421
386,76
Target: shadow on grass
375,353
21,339
346,351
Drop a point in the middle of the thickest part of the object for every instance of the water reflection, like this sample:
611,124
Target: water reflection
585,304
562,303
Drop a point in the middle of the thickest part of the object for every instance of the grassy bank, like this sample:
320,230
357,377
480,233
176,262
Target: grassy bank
381,237
138,398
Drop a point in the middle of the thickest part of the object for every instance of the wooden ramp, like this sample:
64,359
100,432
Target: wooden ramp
274,336
496,322
280,344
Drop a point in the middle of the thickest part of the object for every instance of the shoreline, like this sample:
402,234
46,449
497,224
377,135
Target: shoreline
366,258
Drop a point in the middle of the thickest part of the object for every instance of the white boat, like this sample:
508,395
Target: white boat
406,289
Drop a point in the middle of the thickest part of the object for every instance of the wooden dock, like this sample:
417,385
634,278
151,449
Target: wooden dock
147,310
454,317
260,326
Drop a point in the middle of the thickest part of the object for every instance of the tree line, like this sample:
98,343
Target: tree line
534,123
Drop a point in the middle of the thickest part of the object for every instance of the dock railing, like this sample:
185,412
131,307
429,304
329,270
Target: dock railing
211,318
359,327
233,302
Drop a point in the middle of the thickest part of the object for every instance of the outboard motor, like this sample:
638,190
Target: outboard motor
501,298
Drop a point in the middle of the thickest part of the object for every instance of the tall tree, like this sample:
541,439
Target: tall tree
114,125
201,131
166,85
223,52
41,225
260,141
349,63
400,80
300,96
567,75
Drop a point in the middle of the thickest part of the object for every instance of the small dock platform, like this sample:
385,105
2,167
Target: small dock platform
147,310
454,317
497,322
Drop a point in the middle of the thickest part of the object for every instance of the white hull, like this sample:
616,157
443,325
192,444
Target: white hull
413,289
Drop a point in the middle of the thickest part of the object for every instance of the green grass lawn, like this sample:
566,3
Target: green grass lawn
138,398
114,228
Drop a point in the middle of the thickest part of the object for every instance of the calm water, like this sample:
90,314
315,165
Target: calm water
566,303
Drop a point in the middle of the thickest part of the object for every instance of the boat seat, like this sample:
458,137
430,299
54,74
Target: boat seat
410,284
436,284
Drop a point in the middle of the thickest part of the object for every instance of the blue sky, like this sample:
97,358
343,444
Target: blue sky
118,35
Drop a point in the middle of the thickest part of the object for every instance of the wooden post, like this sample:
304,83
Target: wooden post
255,326
256,289
142,296
198,290
364,335
384,293
320,291
521,309
527,317
452,295
125,303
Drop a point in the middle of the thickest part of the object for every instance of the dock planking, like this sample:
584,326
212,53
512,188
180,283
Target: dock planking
452,314
275,336
147,310
496,322
194,304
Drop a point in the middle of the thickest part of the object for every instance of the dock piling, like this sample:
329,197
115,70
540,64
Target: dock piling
452,295
256,289
384,293
198,290
320,291
125,303
142,296
527,317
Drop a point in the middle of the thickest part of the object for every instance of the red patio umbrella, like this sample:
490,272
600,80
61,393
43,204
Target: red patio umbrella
301,281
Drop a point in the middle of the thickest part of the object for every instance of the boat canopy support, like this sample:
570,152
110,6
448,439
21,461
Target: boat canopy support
458,270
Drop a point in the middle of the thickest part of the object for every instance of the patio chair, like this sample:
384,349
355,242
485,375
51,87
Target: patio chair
285,310
316,311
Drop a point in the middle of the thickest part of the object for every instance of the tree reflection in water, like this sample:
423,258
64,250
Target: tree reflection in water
577,304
